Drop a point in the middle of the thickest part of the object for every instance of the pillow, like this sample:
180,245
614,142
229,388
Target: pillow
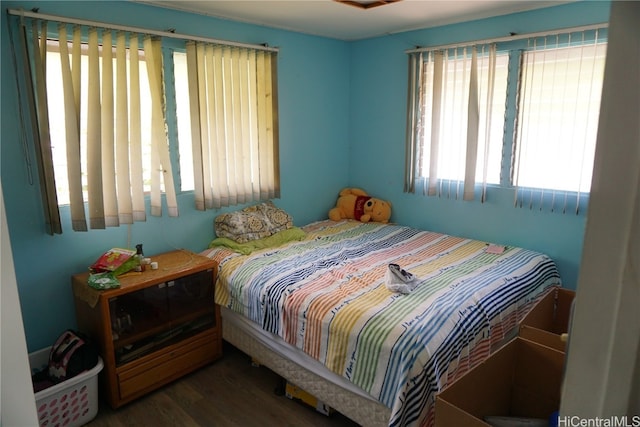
252,223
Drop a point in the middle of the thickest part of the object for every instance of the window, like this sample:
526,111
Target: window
546,89
228,124
455,102
57,121
558,117
183,117
459,118
98,109
97,99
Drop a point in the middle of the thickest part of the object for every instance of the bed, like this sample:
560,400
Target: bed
318,310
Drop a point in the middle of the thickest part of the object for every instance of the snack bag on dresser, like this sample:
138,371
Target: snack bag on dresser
116,261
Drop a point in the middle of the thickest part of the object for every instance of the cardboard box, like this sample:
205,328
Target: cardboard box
294,392
522,379
549,319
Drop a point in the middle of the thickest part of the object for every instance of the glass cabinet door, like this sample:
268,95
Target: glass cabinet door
136,318
151,318
191,303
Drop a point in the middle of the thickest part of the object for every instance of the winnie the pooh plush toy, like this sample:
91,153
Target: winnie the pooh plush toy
354,203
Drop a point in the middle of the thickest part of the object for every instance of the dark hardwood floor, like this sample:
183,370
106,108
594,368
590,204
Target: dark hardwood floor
229,392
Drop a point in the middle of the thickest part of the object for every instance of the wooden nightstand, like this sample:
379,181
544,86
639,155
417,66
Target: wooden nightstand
158,326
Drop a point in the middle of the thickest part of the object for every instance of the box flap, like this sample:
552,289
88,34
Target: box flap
492,378
449,415
562,313
542,314
533,405
537,381
522,379
538,366
548,319
543,337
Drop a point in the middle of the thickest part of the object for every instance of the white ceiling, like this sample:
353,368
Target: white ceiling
340,21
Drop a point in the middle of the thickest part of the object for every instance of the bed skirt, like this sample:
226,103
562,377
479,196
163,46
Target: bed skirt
352,404
365,411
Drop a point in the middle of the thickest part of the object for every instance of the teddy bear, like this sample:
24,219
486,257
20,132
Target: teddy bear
355,203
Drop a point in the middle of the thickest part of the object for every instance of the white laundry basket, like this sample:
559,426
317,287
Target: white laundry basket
71,403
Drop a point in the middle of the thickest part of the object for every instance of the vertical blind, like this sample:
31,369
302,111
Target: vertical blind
160,159
449,125
39,115
112,94
234,129
557,120
456,121
109,125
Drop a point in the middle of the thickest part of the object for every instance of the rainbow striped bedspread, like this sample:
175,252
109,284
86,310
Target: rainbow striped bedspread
327,296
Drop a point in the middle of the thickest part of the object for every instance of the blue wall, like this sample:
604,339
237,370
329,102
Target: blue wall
314,101
342,123
378,120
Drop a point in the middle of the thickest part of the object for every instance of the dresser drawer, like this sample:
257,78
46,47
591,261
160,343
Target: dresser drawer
163,368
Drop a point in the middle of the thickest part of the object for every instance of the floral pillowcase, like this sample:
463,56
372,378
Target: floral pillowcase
252,223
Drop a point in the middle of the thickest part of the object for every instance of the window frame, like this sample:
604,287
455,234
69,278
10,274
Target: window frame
523,63
424,160
29,33
513,48
53,44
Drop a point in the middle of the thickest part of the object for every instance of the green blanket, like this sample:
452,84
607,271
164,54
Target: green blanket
272,241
